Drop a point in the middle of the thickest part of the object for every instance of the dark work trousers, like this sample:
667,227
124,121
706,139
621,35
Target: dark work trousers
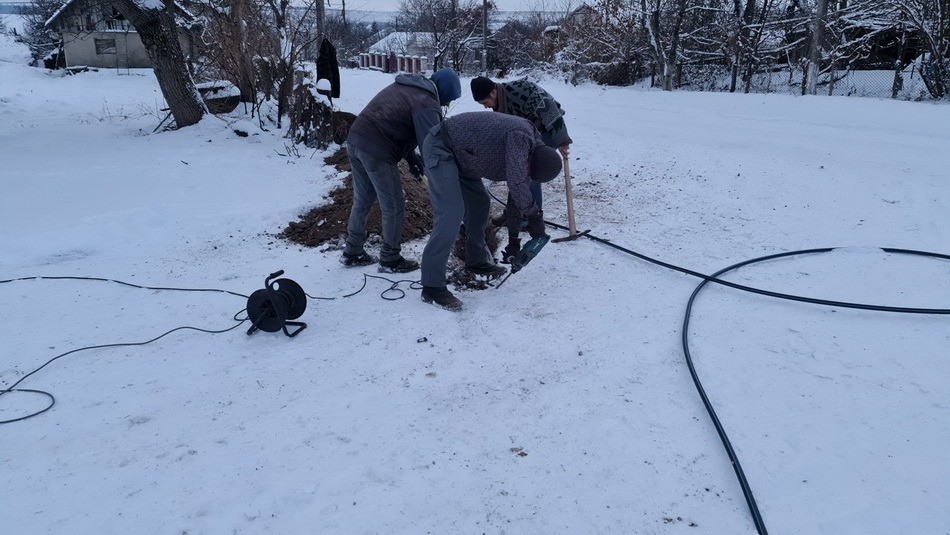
375,179
455,199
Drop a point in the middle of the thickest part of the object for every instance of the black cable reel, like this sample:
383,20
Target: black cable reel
270,309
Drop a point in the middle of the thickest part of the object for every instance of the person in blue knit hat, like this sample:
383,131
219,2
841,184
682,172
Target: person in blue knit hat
448,84
388,130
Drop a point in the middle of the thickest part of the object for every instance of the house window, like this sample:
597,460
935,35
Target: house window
113,19
105,46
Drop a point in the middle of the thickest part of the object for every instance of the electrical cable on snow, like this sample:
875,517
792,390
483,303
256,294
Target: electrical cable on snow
100,279
743,482
778,295
125,284
727,444
394,287
714,278
52,399
13,387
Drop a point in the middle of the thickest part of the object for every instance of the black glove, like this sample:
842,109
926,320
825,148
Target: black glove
415,169
513,248
536,226
414,161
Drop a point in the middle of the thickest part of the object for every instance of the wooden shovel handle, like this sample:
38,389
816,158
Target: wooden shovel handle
572,228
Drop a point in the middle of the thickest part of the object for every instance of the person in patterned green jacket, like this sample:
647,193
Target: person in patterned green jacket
530,101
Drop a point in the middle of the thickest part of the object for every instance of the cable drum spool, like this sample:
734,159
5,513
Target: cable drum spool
271,308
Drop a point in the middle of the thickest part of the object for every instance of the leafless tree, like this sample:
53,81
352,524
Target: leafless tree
350,37
158,29
41,39
235,32
519,44
931,19
448,23
605,41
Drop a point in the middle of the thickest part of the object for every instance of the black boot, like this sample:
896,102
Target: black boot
399,265
441,296
486,269
354,260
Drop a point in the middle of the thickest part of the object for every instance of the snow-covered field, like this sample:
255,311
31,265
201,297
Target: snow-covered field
559,403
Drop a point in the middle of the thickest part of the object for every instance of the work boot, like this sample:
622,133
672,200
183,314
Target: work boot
440,296
492,271
354,260
399,265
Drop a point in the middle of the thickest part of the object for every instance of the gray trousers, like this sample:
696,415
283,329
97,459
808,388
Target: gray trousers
375,179
455,199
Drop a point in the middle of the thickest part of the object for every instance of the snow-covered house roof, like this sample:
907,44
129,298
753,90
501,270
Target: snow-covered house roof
494,27
79,4
404,44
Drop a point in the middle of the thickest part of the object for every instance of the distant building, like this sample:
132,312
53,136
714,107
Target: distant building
400,52
14,8
95,34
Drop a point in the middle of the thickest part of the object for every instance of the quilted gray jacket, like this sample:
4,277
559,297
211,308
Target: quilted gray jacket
397,119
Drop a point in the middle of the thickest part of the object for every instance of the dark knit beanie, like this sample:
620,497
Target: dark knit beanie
448,84
481,88
545,164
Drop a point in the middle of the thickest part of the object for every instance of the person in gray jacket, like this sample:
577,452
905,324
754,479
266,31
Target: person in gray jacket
388,130
457,154
529,100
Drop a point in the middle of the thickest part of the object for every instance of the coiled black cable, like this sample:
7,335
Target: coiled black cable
714,278
398,292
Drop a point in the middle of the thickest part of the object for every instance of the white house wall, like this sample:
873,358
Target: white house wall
80,49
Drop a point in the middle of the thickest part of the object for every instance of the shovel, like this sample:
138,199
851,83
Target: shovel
572,228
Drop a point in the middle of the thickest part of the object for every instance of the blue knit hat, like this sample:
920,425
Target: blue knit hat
448,84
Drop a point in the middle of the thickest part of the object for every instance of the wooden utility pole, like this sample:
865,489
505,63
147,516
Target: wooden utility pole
485,37
320,9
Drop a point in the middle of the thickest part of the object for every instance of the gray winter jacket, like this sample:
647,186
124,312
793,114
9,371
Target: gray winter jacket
497,147
397,119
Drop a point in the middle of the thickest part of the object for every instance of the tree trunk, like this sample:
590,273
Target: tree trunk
652,24
674,45
814,53
159,33
245,67
746,46
284,68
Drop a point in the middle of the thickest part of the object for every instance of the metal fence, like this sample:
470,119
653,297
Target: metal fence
906,84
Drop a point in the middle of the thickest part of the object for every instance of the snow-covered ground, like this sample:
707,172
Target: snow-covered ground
559,403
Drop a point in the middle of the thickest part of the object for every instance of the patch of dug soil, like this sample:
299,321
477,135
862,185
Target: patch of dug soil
327,224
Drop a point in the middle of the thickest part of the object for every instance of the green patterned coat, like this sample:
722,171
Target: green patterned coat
527,99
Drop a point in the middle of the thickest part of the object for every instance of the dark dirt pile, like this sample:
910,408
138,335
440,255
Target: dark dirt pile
326,225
